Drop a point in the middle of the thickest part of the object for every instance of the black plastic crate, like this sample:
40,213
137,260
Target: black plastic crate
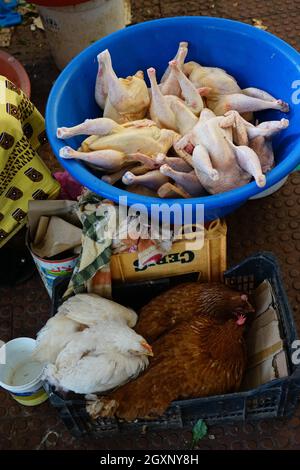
274,399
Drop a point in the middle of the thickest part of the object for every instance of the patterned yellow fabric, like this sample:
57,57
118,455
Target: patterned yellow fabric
23,175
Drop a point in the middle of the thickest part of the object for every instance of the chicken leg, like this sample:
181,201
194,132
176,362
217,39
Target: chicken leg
151,180
265,129
171,85
101,84
258,137
202,162
160,111
112,178
182,45
249,162
99,126
108,159
243,104
188,181
190,93
176,163
257,93
185,119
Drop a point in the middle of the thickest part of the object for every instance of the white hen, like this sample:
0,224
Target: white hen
74,315
89,309
99,358
53,337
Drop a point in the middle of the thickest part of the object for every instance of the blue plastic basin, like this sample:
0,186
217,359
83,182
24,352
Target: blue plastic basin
256,58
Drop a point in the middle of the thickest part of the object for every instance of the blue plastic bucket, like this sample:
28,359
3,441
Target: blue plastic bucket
255,57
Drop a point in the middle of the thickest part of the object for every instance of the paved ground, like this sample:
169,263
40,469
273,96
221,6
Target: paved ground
268,224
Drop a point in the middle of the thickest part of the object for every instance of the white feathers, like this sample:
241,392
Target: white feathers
53,337
88,365
90,347
89,309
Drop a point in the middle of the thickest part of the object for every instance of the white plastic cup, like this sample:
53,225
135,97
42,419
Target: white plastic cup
70,29
20,374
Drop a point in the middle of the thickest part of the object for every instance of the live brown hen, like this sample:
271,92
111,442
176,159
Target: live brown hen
200,357
181,302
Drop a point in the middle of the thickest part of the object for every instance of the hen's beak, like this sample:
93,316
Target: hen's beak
147,347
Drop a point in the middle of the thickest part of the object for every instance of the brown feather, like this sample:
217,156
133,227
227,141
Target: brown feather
181,302
199,357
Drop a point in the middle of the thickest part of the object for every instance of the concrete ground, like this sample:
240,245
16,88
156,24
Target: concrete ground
270,224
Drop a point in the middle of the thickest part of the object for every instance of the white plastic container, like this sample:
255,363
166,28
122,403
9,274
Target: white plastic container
70,29
20,374
50,270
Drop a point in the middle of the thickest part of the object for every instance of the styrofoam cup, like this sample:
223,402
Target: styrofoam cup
20,374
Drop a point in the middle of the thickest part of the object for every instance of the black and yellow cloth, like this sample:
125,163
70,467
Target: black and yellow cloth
23,175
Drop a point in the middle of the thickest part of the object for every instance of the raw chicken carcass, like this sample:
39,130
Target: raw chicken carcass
218,163
226,94
74,315
146,140
200,357
99,358
123,99
112,146
181,302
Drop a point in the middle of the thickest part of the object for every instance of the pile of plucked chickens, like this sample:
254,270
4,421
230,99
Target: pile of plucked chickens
193,333
190,135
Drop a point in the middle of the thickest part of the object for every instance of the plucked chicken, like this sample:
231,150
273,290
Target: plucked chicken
201,356
219,164
186,149
123,99
111,147
226,94
181,302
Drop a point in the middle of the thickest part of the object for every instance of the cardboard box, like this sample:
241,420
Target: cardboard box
209,261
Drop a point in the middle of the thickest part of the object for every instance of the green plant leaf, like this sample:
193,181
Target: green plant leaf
199,432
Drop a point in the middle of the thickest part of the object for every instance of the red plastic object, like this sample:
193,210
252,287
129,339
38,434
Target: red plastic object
58,3
15,72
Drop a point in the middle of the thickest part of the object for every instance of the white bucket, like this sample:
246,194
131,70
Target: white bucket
20,374
70,29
